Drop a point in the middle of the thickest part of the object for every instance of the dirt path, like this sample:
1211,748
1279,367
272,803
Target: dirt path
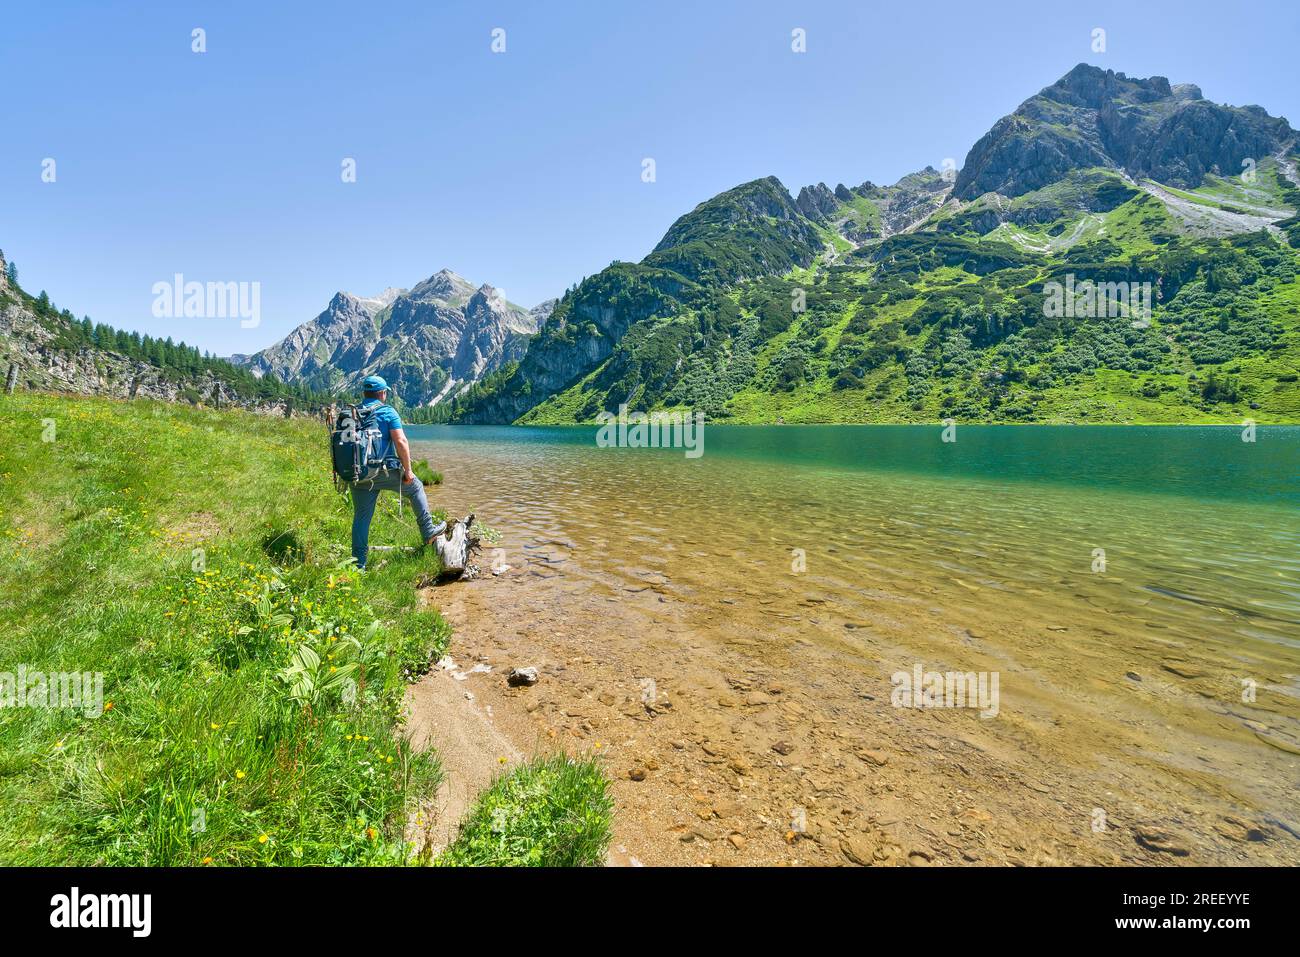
446,715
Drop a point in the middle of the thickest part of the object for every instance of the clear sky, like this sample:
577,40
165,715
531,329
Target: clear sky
522,168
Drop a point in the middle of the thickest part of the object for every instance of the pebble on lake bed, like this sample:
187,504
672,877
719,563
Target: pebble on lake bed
522,677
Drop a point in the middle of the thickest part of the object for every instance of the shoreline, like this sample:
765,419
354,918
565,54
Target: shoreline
771,751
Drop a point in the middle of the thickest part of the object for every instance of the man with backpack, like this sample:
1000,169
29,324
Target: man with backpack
371,453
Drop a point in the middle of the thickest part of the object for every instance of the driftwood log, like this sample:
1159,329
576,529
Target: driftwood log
457,546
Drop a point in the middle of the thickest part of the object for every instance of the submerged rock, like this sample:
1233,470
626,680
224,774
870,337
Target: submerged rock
1161,841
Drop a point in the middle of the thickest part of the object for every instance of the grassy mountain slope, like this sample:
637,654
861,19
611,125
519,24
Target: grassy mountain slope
750,231
925,326
902,319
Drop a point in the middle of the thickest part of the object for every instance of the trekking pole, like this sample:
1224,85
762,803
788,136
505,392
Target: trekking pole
329,415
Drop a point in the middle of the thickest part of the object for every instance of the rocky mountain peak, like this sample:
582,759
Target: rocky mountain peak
444,286
442,334
488,292
385,298
1091,86
1100,118
344,307
706,242
496,332
542,311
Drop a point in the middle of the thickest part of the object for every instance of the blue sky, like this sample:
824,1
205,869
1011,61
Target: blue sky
523,168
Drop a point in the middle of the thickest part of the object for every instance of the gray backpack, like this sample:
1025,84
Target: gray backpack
357,444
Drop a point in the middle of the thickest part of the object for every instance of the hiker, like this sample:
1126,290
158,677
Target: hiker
396,475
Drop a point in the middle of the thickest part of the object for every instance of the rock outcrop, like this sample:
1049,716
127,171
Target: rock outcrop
869,212
818,202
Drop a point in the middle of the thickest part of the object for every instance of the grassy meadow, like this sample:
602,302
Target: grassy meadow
253,680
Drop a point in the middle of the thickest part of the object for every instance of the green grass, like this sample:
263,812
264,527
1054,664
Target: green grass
549,812
253,680
862,212
1134,224
425,472
194,558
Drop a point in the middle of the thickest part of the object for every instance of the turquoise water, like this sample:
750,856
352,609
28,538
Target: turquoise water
1208,462
1201,530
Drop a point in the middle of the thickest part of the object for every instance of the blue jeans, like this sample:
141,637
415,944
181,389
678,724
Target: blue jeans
364,497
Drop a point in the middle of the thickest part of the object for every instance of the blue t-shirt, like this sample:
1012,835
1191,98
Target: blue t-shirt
387,419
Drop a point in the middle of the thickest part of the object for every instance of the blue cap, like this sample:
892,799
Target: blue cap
373,383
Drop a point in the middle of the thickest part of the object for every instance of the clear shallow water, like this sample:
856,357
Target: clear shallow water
1193,521
975,555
